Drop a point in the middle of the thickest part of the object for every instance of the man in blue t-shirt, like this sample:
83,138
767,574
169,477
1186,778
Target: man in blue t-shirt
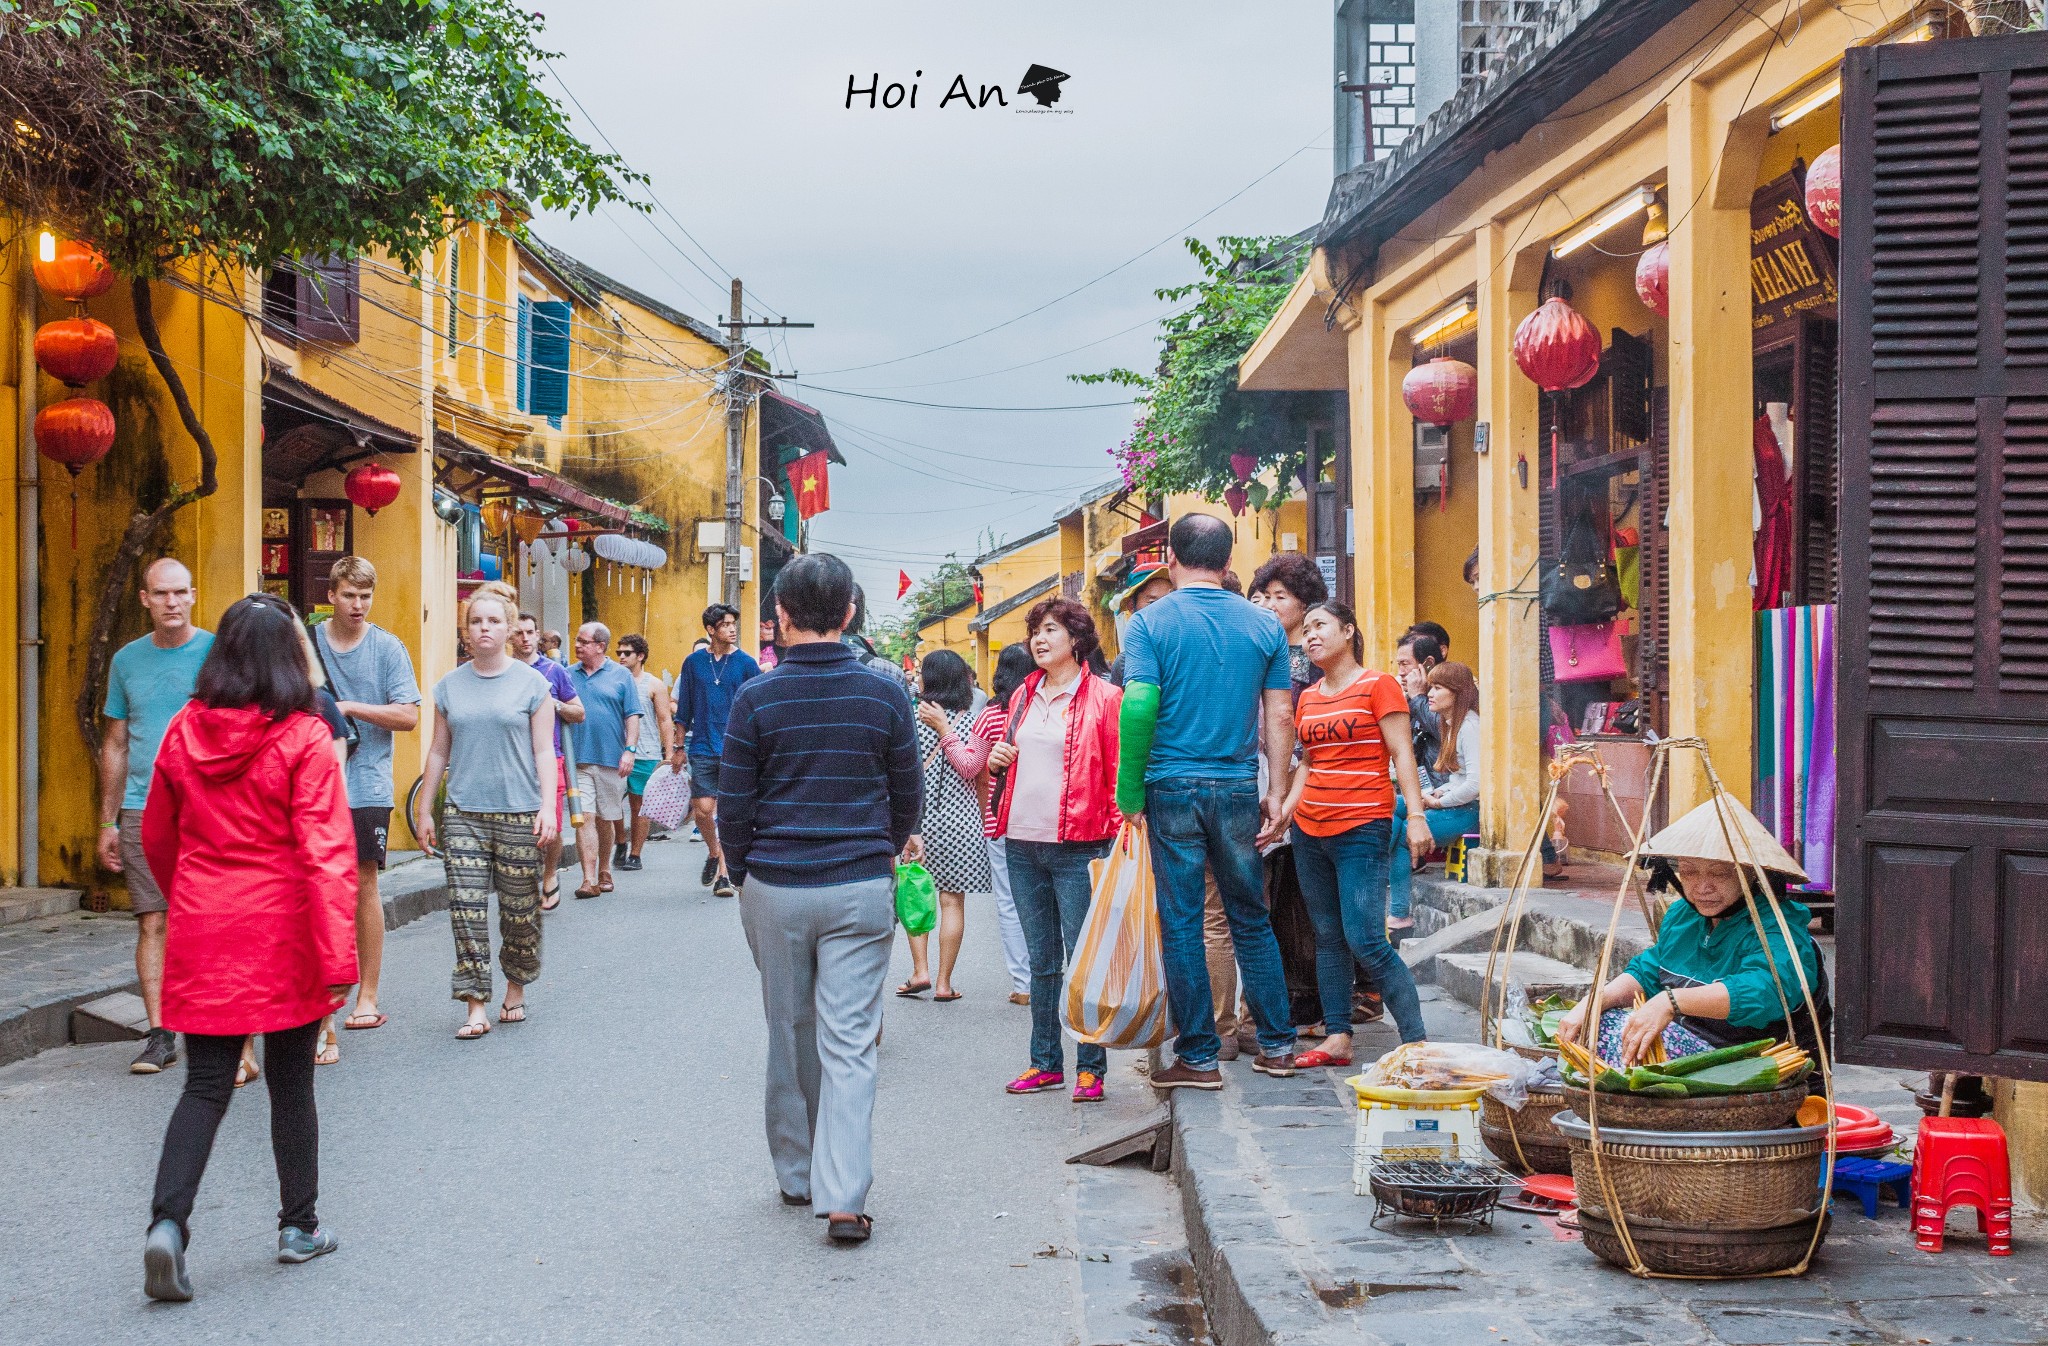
150,681
1204,670
612,707
710,678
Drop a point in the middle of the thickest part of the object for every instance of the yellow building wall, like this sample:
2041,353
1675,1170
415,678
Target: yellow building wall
1445,534
950,632
15,320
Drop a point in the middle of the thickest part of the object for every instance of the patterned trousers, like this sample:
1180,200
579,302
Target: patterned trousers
487,853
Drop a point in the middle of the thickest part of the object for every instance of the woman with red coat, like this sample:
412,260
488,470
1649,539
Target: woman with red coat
1056,813
247,831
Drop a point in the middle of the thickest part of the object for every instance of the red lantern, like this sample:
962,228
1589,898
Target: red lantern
72,270
1442,391
76,351
1824,191
1557,348
1653,279
1242,465
76,432
372,486
1237,498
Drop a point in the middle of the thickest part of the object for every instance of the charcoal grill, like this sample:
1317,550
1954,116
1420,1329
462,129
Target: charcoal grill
1459,1192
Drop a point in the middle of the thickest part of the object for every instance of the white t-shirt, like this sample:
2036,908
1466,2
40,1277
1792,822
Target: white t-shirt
1040,772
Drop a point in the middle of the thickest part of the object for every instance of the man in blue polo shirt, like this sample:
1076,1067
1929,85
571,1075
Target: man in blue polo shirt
612,707
704,693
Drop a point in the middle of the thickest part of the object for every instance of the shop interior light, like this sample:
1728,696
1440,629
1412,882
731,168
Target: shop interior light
1443,321
1808,103
46,246
1581,234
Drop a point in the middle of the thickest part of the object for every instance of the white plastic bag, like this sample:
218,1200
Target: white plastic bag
1455,1065
666,800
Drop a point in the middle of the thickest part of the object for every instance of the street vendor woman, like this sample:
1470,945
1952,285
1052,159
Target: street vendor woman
1707,982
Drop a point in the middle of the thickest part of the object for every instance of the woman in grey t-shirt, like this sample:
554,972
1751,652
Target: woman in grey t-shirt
494,727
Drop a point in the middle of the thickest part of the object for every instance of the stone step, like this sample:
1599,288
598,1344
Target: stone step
119,1017
1475,932
1463,976
33,904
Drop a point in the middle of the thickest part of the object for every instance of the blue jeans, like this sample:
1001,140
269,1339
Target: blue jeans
1049,882
1344,885
1193,823
1444,825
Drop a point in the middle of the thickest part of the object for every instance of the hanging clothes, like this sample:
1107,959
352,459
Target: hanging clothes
1772,572
1795,735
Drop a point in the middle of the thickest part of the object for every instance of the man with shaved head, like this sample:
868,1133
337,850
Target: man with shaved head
150,681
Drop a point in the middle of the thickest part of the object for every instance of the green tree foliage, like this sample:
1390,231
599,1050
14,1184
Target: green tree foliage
1193,415
945,588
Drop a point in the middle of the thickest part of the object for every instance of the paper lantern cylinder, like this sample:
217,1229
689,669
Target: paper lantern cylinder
371,487
76,351
1653,279
1441,392
1824,191
1557,348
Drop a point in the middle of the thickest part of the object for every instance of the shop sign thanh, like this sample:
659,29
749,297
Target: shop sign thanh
1791,271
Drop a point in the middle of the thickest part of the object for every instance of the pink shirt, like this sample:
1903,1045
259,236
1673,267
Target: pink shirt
1040,772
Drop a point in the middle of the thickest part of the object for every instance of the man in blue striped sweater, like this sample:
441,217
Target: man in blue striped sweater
819,791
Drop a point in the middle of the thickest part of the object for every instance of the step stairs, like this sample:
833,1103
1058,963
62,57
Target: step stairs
35,904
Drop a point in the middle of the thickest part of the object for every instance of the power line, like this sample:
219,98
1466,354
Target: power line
958,406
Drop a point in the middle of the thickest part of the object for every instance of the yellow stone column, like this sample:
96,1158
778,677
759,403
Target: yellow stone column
1509,669
1712,665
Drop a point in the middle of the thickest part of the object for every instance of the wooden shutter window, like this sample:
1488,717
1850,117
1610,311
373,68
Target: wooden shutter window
2026,220
1923,543
547,382
1816,423
522,355
2023,551
329,299
1924,256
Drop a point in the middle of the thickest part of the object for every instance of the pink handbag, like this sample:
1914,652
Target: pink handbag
1587,653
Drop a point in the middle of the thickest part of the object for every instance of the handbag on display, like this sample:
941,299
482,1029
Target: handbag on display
1587,653
1580,589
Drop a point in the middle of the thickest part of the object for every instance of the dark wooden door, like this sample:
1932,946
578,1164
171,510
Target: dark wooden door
1942,850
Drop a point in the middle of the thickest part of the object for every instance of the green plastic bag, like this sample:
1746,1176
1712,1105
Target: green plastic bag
917,899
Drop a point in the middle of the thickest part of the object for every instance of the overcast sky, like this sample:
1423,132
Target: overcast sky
898,231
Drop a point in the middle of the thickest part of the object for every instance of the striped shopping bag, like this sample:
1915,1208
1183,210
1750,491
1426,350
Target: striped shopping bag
1116,979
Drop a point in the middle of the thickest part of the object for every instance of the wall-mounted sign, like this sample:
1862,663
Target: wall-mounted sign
1791,271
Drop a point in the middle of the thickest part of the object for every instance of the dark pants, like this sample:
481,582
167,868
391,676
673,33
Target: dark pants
294,1124
1049,881
1198,822
1344,883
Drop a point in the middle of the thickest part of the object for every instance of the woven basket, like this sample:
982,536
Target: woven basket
1690,1251
1542,1149
1719,1112
1700,1182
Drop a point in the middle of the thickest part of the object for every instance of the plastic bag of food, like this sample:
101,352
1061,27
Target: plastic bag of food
1455,1065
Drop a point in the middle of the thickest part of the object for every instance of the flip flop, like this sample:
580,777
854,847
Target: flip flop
1310,1060
359,1022
911,990
604,883
941,999
246,1074
550,898
470,1032
512,1014
329,1052
855,1230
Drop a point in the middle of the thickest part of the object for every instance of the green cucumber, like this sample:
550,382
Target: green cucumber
1733,1077
1698,1061
1663,1089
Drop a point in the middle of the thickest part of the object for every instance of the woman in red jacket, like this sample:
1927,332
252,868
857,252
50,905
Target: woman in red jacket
1056,814
247,832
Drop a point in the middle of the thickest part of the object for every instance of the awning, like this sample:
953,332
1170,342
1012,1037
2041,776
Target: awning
525,479
1298,353
306,430
789,424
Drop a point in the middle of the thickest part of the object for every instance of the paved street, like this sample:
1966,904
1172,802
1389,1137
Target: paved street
598,1173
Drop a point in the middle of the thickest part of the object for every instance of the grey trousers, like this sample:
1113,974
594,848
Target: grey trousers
823,955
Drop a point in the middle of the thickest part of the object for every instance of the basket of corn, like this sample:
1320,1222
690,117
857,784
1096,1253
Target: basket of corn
1754,1086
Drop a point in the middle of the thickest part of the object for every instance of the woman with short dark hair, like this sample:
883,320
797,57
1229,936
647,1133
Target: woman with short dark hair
1287,586
1057,814
247,831
955,849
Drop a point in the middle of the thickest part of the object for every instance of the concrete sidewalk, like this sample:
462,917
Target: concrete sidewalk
51,965
1285,1253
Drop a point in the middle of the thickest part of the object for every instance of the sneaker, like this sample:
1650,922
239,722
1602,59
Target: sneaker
163,1263
1227,1048
724,888
627,863
618,854
298,1245
1280,1066
1087,1087
710,871
158,1054
1035,1081
1181,1075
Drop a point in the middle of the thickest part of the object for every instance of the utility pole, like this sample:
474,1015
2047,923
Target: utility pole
737,400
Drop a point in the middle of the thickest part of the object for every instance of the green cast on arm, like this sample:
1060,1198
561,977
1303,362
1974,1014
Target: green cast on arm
1134,728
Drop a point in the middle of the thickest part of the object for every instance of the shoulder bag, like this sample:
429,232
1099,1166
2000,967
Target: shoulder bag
1580,590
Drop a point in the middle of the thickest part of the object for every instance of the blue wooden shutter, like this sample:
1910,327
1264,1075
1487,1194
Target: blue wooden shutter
548,383
522,354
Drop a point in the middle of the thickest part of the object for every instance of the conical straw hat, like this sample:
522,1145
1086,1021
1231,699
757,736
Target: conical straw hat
1699,836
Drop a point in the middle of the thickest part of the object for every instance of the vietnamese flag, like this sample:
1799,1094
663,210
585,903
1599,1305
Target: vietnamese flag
811,482
902,584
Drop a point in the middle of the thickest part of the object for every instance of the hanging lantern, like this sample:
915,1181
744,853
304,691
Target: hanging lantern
1442,391
1653,279
76,351
70,269
1242,465
1237,499
371,487
575,560
497,514
528,526
76,432
1557,348
572,525
1824,191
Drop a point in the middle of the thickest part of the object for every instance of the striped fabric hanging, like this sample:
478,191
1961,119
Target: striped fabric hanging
1795,734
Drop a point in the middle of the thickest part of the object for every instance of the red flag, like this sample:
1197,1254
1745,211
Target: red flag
810,480
902,583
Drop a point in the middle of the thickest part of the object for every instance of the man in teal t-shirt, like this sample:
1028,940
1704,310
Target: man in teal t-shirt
150,681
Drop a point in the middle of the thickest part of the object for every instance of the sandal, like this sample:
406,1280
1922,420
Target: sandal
911,990
550,898
246,1072
330,1048
585,890
941,999
1310,1060
851,1229
604,883
359,1020
472,1029
512,1014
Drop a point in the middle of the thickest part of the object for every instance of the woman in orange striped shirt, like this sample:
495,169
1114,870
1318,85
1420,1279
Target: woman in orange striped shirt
1355,747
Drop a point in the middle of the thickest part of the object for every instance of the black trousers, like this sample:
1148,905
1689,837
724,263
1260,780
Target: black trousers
294,1124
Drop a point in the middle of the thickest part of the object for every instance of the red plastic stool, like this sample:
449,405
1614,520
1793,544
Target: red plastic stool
1961,1161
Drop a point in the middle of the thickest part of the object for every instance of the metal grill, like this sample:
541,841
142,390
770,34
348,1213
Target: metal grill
1489,29
1459,1192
